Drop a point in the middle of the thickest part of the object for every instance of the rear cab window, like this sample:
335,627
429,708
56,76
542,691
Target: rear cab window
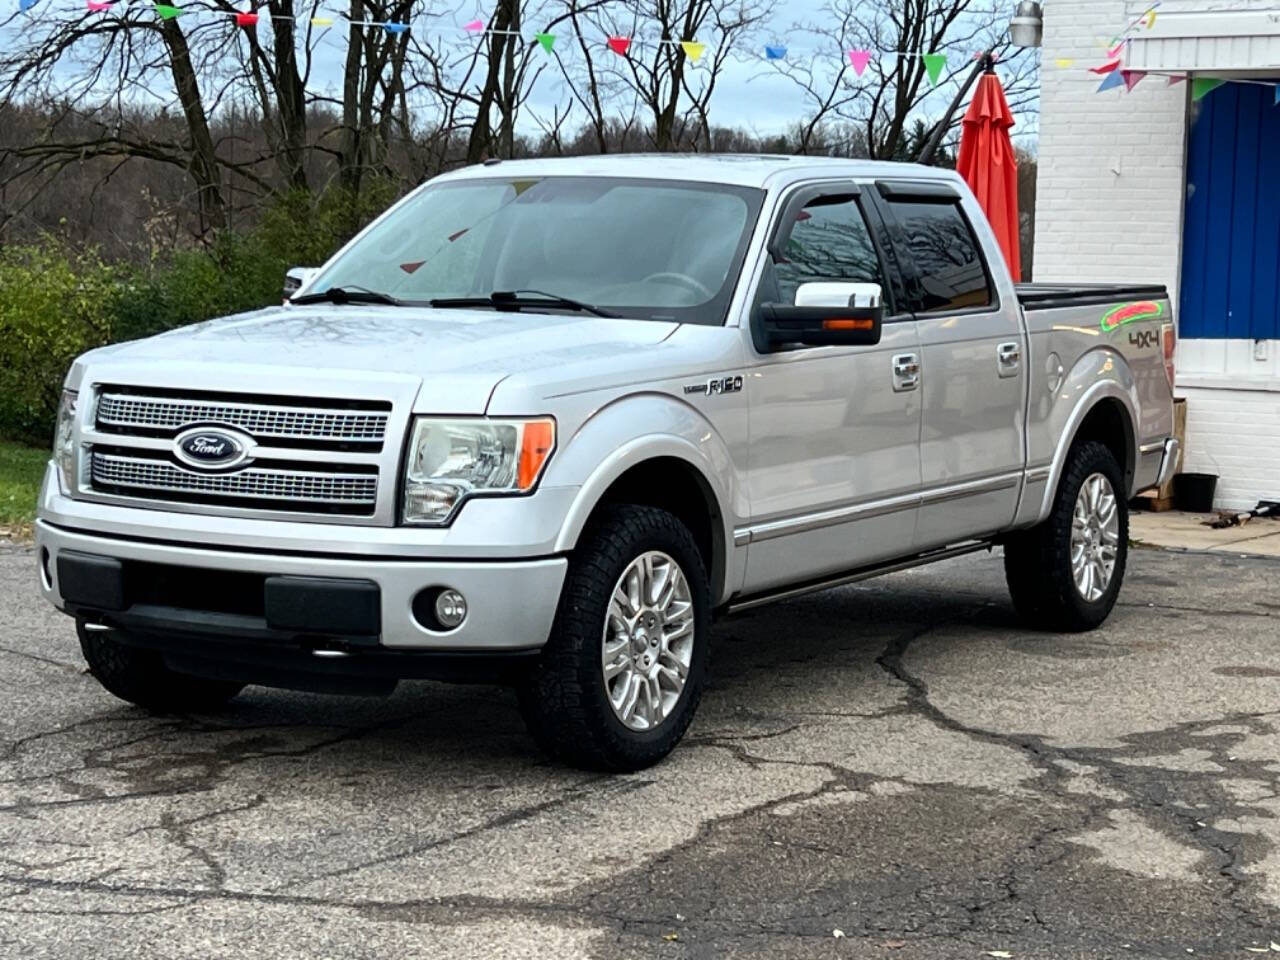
950,273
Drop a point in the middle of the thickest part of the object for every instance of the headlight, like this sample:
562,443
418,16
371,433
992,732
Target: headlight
64,448
451,460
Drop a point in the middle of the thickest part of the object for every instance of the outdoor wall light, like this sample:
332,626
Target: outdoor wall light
1026,29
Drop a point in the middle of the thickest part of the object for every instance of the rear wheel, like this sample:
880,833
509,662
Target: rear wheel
622,673
139,676
1065,574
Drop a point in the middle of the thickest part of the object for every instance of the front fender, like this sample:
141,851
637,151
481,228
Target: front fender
629,432
1099,375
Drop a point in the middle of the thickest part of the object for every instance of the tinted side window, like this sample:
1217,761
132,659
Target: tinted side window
947,254
829,242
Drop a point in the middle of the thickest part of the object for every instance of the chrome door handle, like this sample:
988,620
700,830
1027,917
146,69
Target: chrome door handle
1008,358
906,372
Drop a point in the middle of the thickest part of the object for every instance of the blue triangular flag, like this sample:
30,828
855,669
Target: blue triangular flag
396,27
25,5
1111,80
1278,95
775,53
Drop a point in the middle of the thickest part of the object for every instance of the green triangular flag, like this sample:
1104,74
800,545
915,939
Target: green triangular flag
935,63
167,12
547,40
1201,86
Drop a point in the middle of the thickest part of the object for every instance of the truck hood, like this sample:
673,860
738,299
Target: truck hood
458,356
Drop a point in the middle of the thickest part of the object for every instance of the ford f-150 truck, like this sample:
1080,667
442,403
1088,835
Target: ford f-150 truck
542,421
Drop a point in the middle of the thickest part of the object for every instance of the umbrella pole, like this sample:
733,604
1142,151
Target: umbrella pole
986,64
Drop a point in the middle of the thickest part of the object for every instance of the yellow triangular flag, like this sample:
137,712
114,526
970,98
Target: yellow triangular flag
1151,19
322,21
1065,62
693,50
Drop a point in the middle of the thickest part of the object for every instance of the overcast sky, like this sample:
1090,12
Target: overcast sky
749,94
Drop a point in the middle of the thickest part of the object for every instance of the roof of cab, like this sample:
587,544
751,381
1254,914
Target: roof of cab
748,170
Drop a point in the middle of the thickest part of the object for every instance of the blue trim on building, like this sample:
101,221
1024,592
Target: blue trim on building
1231,234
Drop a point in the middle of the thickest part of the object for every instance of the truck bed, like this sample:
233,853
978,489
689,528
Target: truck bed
1056,296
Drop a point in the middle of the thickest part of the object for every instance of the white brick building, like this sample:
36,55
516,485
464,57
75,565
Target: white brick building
1148,186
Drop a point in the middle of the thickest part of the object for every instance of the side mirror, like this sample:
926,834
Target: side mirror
826,315
295,278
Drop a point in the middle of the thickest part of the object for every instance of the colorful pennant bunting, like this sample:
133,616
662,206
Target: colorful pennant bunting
1111,81
25,5
775,53
1201,87
619,45
393,27
245,19
1131,78
167,12
1174,81
934,64
1105,68
1064,63
693,50
322,21
475,26
859,59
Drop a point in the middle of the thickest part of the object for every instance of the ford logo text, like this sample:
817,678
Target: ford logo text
211,448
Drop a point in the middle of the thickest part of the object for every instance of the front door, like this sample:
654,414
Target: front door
974,366
834,461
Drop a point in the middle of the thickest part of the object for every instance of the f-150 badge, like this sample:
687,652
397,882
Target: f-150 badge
716,386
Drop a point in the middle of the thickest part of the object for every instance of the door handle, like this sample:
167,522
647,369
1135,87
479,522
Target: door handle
906,372
1008,359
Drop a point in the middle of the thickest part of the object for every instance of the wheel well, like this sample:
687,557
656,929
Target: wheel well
1108,423
676,486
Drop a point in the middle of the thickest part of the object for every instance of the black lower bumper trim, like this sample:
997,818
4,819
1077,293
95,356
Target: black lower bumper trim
270,658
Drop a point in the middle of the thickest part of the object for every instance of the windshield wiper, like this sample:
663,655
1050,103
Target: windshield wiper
348,293
515,299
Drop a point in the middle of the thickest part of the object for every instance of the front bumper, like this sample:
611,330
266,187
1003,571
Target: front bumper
511,604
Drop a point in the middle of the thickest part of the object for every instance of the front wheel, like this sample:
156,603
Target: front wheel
621,675
139,676
1065,574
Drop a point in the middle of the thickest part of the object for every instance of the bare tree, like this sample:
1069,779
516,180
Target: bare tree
895,90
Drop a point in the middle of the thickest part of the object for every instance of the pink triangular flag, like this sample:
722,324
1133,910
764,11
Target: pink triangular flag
97,6
475,26
859,59
1174,81
1131,78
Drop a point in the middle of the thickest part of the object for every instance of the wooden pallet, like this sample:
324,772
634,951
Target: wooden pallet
1154,503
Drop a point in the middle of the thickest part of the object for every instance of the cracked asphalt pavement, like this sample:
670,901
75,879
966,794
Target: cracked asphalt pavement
898,761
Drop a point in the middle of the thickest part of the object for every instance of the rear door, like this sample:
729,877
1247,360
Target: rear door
834,456
974,363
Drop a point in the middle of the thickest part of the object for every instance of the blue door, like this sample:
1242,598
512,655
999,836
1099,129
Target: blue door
1231,238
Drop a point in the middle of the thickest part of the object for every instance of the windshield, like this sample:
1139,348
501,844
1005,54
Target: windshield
648,249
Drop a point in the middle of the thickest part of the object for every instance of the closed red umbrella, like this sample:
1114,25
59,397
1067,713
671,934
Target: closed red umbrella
987,164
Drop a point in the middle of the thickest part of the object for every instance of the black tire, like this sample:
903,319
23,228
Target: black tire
1037,562
139,676
565,699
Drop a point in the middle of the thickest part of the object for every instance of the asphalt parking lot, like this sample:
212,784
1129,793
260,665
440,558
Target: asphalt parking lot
894,769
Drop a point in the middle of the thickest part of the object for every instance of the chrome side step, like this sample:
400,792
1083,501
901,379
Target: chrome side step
854,576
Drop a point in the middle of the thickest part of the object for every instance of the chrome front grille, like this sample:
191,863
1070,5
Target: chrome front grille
259,420
290,489
304,455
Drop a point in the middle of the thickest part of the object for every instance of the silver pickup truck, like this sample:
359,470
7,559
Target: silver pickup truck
543,421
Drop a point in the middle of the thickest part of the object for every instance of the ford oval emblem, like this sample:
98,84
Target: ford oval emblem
211,448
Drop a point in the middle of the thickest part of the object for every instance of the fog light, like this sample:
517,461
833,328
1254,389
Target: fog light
451,609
